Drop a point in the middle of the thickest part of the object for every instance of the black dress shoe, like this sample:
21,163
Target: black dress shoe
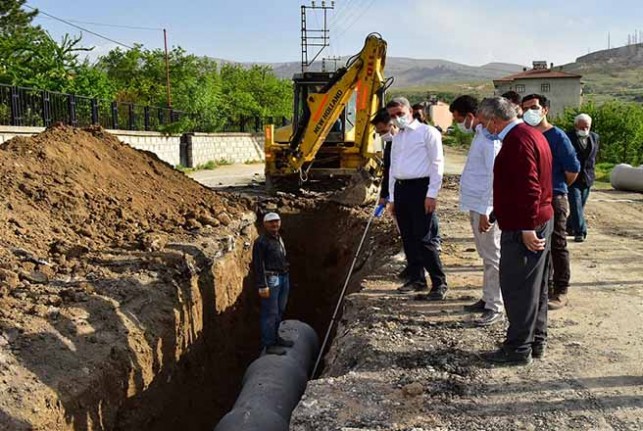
503,357
285,343
476,306
489,317
538,350
437,293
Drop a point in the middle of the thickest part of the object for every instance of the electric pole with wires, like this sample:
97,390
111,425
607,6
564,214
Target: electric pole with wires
314,37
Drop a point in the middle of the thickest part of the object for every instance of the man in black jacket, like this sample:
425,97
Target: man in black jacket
384,128
273,284
586,144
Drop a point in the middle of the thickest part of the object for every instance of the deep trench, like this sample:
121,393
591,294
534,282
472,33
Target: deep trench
321,241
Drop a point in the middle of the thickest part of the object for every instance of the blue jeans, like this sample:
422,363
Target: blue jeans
577,196
272,308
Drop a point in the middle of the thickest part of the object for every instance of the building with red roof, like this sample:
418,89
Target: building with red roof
564,89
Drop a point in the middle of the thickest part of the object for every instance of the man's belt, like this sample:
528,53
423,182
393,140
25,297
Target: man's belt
413,181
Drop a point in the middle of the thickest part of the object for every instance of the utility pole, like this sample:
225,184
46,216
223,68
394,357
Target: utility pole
318,37
609,40
167,71
326,61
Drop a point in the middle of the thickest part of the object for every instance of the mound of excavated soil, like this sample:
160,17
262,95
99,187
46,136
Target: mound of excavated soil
117,274
66,192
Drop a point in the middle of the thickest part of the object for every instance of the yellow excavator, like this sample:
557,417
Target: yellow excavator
331,136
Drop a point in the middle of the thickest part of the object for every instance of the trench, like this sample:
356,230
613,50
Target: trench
321,239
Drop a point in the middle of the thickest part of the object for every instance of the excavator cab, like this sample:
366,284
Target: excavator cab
313,82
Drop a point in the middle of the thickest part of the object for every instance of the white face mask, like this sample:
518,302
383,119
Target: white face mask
463,127
582,133
533,117
402,121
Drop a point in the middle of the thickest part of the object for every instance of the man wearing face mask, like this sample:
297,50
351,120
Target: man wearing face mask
522,195
417,167
386,130
476,198
565,169
586,144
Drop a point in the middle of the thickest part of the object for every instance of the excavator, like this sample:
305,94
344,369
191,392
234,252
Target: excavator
331,136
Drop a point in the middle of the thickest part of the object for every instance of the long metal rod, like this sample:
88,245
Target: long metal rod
343,293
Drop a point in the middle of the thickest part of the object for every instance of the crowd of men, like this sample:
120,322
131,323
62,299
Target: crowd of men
521,178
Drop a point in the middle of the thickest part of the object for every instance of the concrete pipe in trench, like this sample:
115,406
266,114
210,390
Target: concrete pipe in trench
273,385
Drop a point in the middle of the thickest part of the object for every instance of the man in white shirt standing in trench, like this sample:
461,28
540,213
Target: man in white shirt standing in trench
476,198
415,179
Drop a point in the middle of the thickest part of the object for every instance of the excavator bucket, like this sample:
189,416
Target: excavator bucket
362,189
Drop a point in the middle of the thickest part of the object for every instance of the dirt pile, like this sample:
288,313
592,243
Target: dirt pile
121,283
66,192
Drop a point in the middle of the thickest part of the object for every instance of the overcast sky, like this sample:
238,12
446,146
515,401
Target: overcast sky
467,31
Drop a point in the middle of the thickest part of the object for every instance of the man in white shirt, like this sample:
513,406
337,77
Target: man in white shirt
476,198
415,179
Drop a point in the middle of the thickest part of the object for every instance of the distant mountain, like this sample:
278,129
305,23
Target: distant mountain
409,72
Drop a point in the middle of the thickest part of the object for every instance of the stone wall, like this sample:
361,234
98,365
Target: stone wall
166,147
198,148
231,147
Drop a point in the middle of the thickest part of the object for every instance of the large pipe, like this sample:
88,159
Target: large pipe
273,385
626,177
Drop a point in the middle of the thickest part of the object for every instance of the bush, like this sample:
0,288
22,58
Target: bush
458,139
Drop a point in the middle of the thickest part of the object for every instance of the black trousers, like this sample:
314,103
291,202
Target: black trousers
419,232
523,281
559,267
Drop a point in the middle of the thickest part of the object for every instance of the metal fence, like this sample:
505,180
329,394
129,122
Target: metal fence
20,106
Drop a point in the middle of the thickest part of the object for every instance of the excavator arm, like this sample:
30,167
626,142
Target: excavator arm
364,77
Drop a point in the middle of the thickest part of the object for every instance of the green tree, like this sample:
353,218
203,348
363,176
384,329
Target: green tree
13,18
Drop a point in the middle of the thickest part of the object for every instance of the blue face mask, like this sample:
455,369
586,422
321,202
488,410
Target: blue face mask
491,136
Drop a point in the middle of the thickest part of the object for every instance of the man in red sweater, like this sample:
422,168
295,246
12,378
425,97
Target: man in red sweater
522,200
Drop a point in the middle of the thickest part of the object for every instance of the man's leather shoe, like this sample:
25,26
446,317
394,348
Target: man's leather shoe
579,238
275,350
437,293
285,343
558,301
476,306
503,357
489,317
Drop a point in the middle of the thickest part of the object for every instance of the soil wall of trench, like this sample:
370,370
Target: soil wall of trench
159,340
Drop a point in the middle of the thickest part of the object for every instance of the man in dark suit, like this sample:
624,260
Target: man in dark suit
522,204
586,144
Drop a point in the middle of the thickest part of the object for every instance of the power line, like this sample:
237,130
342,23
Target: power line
80,28
368,5
129,27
